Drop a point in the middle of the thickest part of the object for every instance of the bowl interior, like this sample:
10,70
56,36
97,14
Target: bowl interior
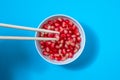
76,55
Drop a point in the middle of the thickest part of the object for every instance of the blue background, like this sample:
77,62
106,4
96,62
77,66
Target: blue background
100,60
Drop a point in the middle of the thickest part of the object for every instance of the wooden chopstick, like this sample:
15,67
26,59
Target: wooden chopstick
25,38
27,28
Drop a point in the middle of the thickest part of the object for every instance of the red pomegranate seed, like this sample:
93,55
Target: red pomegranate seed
75,50
70,32
47,49
45,26
65,31
42,42
64,25
50,22
70,55
57,36
70,23
63,51
42,46
63,35
78,39
41,34
58,57
50,35
77,46
51,56
52,45
57,24
73,36
60,19
68,35
63,58
45,53
67,21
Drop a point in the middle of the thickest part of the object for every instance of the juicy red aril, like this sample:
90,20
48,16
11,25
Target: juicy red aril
57,24
67,21
58,58
51,56
78,39
45,53
63,35
70,55
68,40
50,22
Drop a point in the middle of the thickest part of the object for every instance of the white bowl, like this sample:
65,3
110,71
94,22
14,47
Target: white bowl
76,55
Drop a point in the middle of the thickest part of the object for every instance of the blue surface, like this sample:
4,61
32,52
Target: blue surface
100,60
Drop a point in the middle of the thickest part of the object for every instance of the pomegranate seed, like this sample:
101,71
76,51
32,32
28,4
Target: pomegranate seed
52,28
42,47
68,35
50,22
72,44
61,41
65,31
68,50
59,51
70,55
61,29
63,58
75,50
60,19
78,34
42,34
57,24
64,25
47,49
74,27
57,46
56,29
58,57
63,51
77,46
45,53
78,39
45,35
42,43
74,39
60,45
70,32
63,35
73,36
50,35
51,56
57,36
67,55
45,26
70,23
52,45
67,21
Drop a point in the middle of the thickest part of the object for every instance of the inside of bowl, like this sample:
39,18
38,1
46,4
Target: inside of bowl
81,45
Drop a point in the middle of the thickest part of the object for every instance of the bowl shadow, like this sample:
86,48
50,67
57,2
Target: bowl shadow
14,55
89,53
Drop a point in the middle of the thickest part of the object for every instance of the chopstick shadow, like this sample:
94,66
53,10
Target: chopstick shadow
90,51
14,54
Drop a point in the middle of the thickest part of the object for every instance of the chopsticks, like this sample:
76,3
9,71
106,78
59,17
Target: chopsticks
27,28
25,38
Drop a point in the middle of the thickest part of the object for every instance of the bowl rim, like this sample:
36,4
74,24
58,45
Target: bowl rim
80,50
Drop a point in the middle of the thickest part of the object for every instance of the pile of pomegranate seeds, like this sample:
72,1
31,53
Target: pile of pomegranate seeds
68,40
